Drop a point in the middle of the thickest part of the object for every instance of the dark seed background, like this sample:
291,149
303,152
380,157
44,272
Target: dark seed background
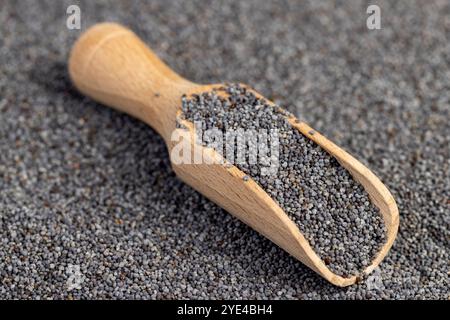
82,186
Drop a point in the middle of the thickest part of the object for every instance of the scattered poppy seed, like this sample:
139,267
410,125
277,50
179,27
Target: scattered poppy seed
65,219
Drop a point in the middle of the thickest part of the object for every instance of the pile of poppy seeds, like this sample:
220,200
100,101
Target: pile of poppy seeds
331,209
90,207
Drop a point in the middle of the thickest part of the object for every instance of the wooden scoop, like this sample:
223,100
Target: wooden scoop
113,66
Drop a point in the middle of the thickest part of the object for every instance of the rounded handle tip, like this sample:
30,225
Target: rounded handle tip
89,42
112,65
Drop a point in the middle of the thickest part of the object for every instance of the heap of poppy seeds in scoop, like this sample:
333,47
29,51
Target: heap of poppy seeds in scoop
331,209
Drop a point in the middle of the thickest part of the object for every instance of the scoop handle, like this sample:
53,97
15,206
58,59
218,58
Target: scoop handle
110,64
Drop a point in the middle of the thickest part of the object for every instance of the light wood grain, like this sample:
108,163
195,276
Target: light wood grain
113,66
